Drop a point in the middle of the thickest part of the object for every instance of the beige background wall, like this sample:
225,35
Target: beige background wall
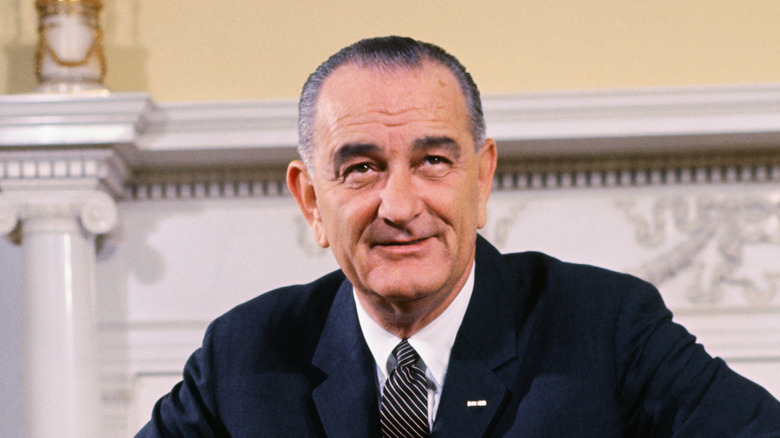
249,49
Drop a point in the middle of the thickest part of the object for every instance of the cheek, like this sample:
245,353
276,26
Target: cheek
462,206
348,217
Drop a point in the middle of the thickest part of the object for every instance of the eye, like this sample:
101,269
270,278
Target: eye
357,168
359,173
434,166
436,159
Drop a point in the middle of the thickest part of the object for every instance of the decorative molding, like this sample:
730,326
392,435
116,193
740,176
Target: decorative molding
638,121
749,335
511,175
743,168
79,183
497,231
234,133
95,210
724,226
558,139
61,120
158,347
60,167
216,183
127,351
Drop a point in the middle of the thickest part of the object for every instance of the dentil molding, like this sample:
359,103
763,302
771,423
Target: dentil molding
39,186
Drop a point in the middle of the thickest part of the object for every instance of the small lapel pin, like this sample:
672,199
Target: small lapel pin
475,403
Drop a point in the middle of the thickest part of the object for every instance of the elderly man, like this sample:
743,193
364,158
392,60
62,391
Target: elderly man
427,329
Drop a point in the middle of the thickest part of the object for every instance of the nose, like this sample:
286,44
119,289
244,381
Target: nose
400,201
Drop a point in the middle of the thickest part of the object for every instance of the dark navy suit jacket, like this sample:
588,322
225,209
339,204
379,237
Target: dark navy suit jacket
554,350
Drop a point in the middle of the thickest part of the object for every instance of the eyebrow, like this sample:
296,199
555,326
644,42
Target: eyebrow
444,142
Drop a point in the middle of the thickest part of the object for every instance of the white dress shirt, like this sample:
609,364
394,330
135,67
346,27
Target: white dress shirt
433,343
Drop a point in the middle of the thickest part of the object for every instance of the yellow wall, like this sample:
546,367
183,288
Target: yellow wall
264,49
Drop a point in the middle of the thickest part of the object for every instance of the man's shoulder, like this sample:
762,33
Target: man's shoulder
539,263
539,273
537,266
284,306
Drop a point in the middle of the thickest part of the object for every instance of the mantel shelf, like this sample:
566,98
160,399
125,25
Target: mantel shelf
263,133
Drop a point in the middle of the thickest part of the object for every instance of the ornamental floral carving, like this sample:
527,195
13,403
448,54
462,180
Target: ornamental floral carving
497,231
709,238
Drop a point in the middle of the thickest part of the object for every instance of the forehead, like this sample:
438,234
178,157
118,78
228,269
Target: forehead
355,98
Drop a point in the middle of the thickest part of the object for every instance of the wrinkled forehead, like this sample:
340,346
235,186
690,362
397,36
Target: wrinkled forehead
353,93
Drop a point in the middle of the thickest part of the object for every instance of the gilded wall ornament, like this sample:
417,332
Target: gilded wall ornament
69,56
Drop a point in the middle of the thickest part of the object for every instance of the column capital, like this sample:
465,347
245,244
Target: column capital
44,186
94,209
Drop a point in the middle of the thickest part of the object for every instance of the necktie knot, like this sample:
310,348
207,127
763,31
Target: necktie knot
405,355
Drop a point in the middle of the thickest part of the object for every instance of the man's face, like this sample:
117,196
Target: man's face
399,190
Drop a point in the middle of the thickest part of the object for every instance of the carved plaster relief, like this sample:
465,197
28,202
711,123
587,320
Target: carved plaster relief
497,230
709,239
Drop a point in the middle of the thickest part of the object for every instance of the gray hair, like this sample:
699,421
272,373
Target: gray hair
388,53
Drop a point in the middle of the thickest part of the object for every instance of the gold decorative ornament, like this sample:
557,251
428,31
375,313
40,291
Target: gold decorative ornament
69,56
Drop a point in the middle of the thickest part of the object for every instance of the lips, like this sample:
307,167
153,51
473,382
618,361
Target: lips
380,234
400,242
401,249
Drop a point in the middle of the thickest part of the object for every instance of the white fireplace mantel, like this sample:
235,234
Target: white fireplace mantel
78,169
264,133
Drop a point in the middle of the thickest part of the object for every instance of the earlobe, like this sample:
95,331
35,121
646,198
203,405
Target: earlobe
318,229
302,188
488,156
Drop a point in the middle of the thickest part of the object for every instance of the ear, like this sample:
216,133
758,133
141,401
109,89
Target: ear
487,156
302,188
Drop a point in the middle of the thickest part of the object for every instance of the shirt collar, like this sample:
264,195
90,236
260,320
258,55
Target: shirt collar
433,342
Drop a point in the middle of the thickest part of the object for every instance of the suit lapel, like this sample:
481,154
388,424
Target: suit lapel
346,400
474,393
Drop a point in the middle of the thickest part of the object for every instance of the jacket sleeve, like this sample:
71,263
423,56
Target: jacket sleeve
670,386
190,409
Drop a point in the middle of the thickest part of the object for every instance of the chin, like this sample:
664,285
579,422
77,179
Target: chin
408,289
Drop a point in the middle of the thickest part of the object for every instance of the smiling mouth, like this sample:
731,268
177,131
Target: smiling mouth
401,243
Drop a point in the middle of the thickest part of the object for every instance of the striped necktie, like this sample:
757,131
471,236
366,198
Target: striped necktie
404,411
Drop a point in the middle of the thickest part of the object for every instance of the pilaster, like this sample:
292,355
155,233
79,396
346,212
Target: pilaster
58,193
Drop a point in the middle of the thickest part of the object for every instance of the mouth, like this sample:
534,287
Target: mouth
400,243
